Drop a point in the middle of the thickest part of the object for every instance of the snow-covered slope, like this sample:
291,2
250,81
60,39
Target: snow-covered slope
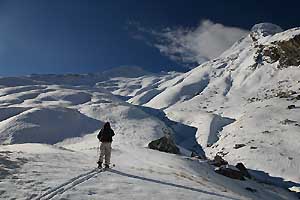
51,113
256,84
69,118
49,123
140,90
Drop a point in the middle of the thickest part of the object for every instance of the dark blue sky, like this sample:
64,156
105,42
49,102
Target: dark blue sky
80,36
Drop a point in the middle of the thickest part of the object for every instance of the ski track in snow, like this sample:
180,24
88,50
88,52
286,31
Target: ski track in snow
62,188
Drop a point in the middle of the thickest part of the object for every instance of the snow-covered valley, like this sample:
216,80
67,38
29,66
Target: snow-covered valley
243,106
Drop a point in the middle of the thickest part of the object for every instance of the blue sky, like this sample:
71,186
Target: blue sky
81,36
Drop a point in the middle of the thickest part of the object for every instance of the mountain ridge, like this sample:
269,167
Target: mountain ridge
251,85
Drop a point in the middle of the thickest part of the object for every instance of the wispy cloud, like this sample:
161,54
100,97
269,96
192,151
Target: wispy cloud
188,45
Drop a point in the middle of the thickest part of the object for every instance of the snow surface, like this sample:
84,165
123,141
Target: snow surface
249,96
49,123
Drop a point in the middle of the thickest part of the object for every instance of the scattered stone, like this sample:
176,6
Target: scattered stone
251,189
209,145
291,107
253,99
229,172
290,158
218,161
222,153
297,97
237,146
266,132
243,169
291,92
285,94
165,144
252,147
288,121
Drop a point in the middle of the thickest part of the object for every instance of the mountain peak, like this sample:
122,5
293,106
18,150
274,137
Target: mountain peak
265,29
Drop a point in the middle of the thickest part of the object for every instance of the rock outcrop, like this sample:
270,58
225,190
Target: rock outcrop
218,161
230,172
239,171
165,144
243,169
286,52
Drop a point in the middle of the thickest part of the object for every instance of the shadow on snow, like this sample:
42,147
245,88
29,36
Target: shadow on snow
264,177
184,135
169,184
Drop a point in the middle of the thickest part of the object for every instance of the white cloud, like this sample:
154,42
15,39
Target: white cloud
194,45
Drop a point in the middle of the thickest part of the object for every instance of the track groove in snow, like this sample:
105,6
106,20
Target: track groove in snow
68,184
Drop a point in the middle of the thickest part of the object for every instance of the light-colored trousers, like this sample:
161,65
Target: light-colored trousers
105,152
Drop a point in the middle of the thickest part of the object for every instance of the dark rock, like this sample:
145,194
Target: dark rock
237,146
243,169
292,92
266,132
165,144
218,161
223,153
282,94
251,189
298,97
291,107
209,145
231,173
286,52
253,147
287,121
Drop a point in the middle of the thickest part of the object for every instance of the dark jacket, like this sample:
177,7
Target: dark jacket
105,135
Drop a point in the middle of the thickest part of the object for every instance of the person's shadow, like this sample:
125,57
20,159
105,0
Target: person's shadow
169,184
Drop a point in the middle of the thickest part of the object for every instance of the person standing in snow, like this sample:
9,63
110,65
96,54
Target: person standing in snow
105,137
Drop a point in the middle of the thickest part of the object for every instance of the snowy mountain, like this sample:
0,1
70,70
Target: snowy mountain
242,106
250,96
